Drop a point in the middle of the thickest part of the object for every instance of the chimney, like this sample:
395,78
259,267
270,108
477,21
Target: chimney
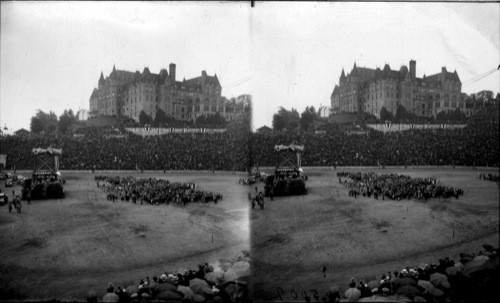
413,68
171,71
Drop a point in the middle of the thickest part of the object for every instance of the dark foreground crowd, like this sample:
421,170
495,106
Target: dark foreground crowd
395,186
153,191
472,278
195,285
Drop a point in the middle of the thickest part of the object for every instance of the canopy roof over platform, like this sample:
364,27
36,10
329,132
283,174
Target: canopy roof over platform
291,147
47,151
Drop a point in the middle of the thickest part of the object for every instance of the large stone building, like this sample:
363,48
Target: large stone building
125,93
368,90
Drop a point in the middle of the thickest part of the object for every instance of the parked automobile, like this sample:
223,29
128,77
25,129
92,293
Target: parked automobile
3,199
9,183
263,176
247,181
20,179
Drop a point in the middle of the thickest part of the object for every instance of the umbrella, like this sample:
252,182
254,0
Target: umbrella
169,296
438,279
404,281
398,298
239,269
211,277
187,292
374,283
451,271
472,265
200,287
377,298
161,287
480,266
409,290
429,288
132,289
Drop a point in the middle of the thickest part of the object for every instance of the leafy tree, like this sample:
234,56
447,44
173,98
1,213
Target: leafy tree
484,96
219,120
36,125
201,120
160,118
279,121
307,117
51,127
294,124
65,120
41,122
286,119
385,114
441,116
401,114
144,118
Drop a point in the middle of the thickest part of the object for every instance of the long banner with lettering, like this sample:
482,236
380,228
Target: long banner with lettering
396,127
158,131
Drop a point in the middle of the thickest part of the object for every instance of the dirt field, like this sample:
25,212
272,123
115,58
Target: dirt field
64,248
294,237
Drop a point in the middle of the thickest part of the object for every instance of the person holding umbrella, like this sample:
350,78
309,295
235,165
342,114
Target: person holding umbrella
352,293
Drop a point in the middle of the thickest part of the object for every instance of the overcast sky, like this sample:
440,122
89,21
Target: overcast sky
283,54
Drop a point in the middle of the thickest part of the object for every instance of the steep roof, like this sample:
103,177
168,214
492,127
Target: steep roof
208,80
447,76
94,93
367,74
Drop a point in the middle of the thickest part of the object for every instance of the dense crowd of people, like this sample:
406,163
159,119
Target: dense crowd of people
336,145
169,152
395,186
204,284
472,278
153,191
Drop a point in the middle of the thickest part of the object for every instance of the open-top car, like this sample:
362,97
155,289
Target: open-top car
3,199
9,183
20,179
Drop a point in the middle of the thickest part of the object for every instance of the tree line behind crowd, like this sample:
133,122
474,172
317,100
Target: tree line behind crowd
478,104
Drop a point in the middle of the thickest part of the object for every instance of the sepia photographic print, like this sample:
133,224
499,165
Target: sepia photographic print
249,151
